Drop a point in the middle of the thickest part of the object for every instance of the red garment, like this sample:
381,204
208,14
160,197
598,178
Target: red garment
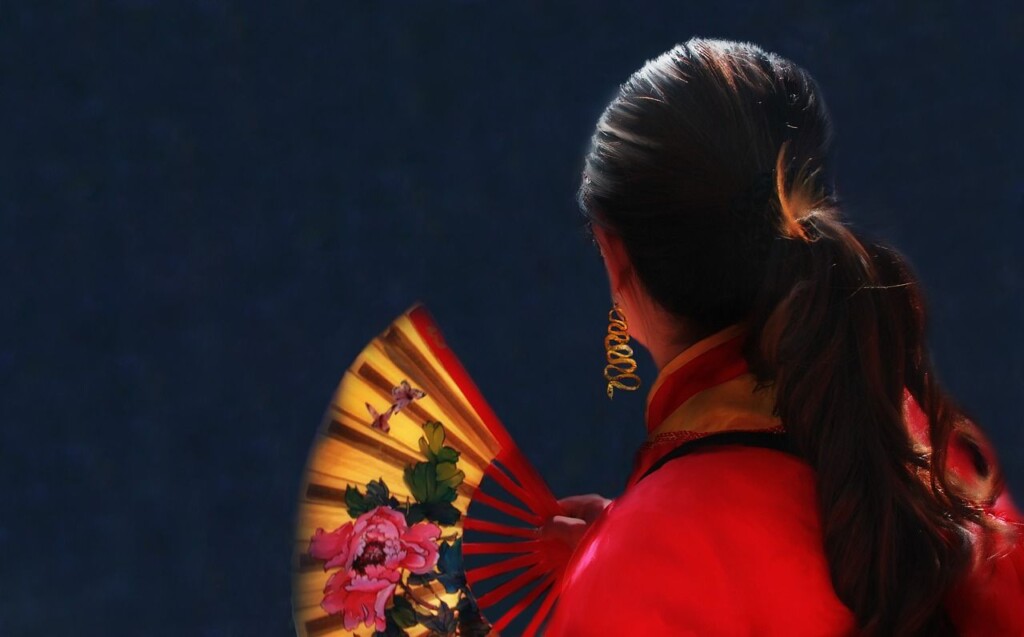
727,540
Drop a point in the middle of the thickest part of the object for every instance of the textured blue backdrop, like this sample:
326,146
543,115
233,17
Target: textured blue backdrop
208,207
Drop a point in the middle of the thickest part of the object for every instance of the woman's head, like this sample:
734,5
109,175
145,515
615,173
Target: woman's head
683,167
708,187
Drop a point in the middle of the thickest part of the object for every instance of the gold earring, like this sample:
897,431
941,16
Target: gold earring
620,372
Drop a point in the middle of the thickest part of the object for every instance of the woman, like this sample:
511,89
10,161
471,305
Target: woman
804,473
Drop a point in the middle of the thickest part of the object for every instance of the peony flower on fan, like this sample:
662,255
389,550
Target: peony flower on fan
370,554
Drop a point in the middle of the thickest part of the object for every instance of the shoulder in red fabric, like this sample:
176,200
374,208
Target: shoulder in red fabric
723,542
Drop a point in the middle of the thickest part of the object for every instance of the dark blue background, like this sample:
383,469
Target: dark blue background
207,208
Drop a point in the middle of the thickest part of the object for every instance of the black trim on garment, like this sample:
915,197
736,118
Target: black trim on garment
763,439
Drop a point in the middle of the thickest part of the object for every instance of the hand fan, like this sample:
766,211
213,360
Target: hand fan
418,514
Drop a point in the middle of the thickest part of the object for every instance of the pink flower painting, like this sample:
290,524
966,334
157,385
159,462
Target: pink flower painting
371,553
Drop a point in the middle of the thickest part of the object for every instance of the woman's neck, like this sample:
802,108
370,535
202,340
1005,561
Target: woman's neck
668,339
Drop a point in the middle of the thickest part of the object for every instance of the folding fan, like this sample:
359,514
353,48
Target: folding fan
396,534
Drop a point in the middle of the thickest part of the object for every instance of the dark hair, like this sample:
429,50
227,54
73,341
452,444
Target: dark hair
712,165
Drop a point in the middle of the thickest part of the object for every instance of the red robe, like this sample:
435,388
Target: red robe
727,541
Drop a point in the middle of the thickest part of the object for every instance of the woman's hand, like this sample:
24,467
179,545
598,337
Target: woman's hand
584,507
580,512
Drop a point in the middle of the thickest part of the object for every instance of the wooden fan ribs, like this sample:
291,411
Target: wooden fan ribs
548,584
479,497
537,559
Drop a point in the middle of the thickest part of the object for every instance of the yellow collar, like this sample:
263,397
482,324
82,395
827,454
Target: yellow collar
708,389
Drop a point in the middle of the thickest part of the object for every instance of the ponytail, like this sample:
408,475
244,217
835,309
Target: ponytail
838,332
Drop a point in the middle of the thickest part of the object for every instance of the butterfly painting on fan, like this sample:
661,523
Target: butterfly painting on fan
402,395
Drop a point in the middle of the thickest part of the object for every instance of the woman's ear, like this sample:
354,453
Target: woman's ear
616,260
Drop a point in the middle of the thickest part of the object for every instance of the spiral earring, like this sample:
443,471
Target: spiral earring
620,372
